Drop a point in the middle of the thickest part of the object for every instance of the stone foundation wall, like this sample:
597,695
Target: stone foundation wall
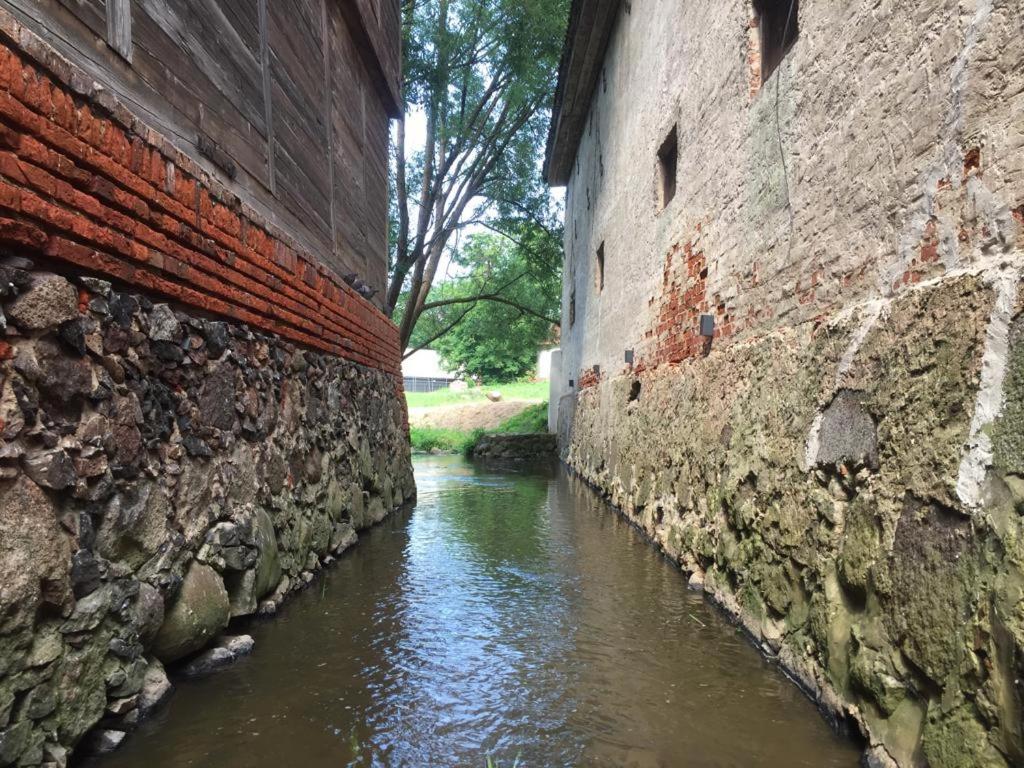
852,491
160,474
515,447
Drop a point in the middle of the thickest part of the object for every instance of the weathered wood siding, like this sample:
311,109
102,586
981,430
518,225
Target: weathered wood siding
286,101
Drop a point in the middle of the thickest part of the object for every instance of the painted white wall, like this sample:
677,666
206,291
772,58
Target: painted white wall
544,364
425,364
556,387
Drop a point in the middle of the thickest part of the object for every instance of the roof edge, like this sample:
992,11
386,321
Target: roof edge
591,23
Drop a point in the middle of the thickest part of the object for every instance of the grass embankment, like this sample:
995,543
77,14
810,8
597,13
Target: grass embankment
431,439
523,390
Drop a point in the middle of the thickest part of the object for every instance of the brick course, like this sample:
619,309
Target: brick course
95,189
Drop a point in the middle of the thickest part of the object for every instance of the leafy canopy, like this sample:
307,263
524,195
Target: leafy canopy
494,339
481,75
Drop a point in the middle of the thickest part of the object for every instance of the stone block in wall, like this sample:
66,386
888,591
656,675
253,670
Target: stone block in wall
174,473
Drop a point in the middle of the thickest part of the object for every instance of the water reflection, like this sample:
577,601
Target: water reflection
510,615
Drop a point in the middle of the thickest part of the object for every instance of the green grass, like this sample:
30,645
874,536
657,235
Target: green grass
429,439
530,421
432,439
520,390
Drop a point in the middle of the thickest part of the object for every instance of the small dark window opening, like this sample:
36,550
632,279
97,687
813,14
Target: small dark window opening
668,159
572,308
634,392
600,268
778,21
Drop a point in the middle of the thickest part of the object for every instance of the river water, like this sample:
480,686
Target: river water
510,615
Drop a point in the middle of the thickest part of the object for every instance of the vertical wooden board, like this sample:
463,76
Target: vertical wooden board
119,27
327,105
376,165
294,28
301,176
301,145
186,51
376,185
347,79
243,17
380,39
268,101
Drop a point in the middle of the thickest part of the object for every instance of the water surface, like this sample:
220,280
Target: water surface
510,614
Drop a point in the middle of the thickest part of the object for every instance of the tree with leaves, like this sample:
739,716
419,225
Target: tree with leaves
490,321
482,74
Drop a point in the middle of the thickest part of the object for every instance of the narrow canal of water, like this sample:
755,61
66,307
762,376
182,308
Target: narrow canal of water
508,615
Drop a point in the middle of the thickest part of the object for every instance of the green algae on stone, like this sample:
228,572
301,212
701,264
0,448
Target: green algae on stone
200,611
861,544
934,585
958,740
1008,429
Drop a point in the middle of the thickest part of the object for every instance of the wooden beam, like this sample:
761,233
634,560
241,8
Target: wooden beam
119,27
268,102
590,29
325,33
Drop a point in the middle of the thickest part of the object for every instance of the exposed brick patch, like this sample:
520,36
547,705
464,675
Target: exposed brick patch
930,242
972,161
1018,214
926,263
754,52
589,378
84,182
676,335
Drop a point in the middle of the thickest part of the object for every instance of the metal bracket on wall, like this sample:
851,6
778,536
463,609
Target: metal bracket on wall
707,325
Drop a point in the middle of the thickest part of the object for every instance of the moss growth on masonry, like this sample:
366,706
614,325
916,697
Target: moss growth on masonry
875,576
1008,430
958,740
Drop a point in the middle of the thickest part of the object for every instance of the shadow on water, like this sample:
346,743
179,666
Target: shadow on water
510,614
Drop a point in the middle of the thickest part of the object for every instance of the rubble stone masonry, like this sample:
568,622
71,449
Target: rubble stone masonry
841,465
195,416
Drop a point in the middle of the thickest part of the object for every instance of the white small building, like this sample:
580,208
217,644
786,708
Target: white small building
423,371
544,364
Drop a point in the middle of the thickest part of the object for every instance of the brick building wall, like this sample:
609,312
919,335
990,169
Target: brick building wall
197,413
841,448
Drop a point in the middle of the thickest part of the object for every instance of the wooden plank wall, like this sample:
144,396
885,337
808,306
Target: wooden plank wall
280,90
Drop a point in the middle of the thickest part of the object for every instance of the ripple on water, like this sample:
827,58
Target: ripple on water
507,615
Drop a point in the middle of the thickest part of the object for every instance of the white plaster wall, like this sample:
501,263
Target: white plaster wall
556,388
813,194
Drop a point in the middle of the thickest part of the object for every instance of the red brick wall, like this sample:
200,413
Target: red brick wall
92,187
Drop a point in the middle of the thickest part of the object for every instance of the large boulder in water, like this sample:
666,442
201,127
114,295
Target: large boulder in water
199,613
245,588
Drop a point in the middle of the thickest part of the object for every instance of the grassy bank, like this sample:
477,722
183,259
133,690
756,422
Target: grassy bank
523,390
430,439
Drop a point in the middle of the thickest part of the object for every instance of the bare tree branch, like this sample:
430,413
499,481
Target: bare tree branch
497,298
439,334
